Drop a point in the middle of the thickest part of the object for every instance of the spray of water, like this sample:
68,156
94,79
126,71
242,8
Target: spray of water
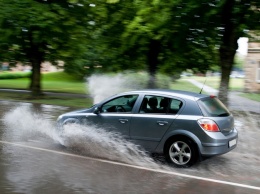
25,125
103,86
100,143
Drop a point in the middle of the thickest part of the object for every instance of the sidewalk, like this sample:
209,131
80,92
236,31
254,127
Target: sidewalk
236,102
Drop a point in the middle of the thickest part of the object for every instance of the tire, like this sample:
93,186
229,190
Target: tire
181,152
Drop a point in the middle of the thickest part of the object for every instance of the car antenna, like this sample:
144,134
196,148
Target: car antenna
203,85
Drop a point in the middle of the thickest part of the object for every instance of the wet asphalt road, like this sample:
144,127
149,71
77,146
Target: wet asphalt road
33,163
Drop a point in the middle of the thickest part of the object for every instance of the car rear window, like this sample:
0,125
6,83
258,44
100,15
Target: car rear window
213,107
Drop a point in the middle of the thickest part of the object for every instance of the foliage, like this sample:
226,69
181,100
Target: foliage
175,35
56,28
34,31
113,35
129,34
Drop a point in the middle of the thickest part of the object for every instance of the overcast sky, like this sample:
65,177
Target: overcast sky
242,45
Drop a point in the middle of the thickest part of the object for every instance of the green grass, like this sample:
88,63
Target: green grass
67,87
252,96
14,75
53,82
60,76
182,84
21,83
236,84
65,83
53,100
210,81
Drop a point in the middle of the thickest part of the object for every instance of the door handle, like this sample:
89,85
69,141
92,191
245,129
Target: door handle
123,121
162,123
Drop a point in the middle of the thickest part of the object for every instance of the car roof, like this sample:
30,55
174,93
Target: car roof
175,93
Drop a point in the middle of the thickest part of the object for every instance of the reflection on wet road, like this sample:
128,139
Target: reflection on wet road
32,160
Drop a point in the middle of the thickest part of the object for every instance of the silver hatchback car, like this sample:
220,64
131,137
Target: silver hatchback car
184,126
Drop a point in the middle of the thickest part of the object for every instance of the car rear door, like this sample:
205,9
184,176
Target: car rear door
154,117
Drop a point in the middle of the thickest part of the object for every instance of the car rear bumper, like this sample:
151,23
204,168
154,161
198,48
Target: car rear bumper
220,146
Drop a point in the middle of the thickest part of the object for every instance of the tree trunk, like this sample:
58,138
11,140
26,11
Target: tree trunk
152,56
35,85
227,49
35,57
226,68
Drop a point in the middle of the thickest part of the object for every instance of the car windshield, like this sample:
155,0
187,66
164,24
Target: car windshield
213,107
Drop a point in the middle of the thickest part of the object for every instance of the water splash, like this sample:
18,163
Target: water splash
24,124
103,86
90,140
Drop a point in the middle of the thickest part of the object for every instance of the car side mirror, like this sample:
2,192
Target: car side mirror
97,110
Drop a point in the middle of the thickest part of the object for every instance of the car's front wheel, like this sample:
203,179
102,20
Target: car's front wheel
181,152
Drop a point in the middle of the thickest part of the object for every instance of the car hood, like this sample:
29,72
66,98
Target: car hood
80,111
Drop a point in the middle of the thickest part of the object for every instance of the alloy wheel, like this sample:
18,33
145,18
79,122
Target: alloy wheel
180,153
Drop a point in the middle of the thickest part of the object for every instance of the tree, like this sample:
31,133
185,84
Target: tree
158,34
34,31
179,35
235,18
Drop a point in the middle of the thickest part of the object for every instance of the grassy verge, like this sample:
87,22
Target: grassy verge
52,82
236,84
252,96
210,81
65,83
53,100
14,75
183,84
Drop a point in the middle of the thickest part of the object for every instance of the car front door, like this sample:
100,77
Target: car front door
114,115
155,116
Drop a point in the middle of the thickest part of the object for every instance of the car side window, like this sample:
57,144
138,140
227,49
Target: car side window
160,105
175,106
154,104
120,104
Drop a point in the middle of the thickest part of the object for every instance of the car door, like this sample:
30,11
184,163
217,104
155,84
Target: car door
115,115
155,116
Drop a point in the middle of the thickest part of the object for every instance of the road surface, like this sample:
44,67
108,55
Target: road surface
32,160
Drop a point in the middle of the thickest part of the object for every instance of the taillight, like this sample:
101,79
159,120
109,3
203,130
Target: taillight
208,125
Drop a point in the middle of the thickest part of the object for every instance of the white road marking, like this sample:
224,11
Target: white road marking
133,166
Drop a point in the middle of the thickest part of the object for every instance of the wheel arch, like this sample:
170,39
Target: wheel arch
179,136
70,120
182,134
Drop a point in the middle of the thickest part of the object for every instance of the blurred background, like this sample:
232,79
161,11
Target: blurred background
59,55
62,46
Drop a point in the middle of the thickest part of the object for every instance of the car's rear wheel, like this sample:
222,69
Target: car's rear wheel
181,152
